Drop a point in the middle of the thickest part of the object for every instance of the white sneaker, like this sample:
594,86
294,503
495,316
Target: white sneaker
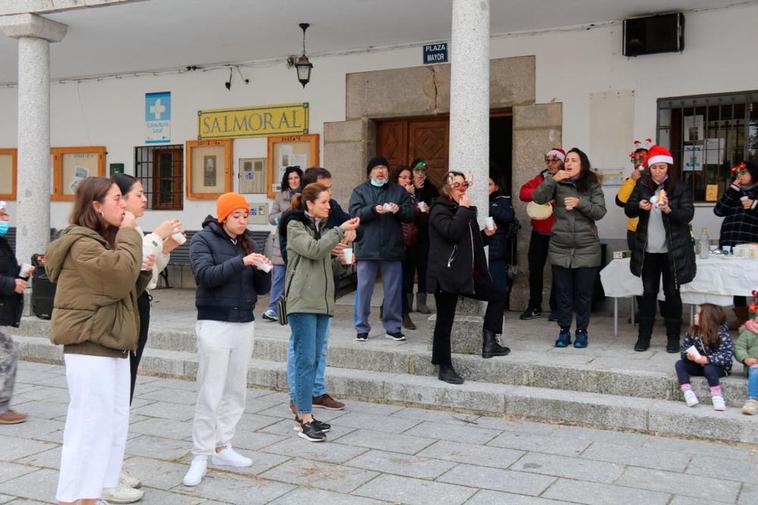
102,502
122,494
718,402
129,480
230,457
196,472
690,398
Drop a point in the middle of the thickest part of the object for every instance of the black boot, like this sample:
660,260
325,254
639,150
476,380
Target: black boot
642,344
673,327
421,307
672,344
448,374
645,332
490,345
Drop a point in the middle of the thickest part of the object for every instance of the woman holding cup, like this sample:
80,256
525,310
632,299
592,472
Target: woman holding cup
309,291
165,238
574,250
458,267
230,276
739,208
402,175
663,248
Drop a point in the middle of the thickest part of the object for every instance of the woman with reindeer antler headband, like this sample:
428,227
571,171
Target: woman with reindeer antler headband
458,266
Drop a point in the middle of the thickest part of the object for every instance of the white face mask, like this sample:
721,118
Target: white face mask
378,183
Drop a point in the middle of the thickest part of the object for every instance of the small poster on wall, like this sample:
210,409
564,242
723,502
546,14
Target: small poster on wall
693,158
693,128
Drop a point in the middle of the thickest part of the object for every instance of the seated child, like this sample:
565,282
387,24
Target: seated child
746,352
707,349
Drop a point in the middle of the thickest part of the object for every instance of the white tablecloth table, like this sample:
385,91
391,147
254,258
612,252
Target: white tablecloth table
718,280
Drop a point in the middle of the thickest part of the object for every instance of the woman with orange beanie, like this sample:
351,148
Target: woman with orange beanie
230,275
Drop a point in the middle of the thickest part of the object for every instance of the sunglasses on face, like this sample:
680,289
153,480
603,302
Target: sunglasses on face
460,185
552,160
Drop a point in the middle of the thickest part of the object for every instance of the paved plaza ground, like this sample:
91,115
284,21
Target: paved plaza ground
377,453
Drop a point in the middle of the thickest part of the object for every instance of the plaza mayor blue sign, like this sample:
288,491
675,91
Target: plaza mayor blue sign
435,53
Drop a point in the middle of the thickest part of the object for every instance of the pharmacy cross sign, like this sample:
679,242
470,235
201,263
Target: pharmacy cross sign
158,117
157,109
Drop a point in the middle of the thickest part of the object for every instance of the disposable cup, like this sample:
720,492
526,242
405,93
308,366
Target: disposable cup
179,237
489,222
26,270
744,197
265,267
693,350
422,206
347,253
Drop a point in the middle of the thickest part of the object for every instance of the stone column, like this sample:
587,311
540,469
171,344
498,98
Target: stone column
470,137
470,96
34,34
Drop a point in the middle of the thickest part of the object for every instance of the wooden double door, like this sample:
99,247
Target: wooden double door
403,140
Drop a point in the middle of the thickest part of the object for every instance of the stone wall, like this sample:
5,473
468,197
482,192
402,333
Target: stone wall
536,128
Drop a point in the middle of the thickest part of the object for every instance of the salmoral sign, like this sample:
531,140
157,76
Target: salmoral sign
289,119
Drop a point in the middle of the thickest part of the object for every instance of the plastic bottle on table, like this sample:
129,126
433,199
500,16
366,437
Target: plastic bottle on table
705,243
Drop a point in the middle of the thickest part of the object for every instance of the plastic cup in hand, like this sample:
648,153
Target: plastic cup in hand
263,267
422,206
489,222
744,197
179,237
26,270
387,207
693,351
347,253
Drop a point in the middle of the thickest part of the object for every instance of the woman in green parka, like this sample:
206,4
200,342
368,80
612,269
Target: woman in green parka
574,251
309,291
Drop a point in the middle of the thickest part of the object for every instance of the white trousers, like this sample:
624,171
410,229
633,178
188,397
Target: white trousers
223,351
97,424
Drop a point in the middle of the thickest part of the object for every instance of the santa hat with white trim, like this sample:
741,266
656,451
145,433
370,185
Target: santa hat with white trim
557,152
658,154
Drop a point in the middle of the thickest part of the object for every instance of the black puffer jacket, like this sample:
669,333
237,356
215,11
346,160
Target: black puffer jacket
380,236
501,209
456,248
11,303
740,225
681,252
227,290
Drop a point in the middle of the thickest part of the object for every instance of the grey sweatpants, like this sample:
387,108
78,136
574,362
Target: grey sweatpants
392,281
8,361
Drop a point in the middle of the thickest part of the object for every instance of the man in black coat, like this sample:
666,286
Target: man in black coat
382,206
11,294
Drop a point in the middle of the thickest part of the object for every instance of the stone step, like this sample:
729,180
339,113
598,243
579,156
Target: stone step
516,369
544,404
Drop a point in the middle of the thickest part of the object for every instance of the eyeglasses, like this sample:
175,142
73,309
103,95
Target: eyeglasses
459,185
551,160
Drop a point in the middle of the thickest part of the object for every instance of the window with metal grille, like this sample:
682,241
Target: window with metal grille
161,171
707,135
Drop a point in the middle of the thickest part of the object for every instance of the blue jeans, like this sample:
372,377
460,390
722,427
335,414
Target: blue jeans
277,287
319,385
752,382
308,333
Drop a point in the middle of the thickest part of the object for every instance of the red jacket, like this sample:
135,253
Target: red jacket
542,225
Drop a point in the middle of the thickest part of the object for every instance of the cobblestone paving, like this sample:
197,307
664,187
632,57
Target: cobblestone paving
376,454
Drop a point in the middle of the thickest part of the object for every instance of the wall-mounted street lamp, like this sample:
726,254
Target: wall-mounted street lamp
301,63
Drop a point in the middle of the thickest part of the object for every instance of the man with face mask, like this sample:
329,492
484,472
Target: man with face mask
12,284
382,206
